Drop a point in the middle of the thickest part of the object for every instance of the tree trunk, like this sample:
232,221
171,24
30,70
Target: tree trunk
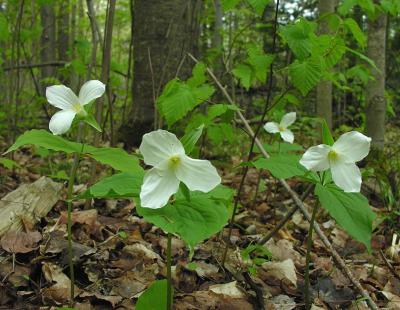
324,88
48,41
375,92
165,31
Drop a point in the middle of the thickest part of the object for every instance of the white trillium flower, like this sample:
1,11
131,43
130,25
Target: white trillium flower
65,99
162,150
341,157
287,120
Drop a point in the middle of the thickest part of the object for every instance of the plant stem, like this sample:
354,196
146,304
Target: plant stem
169,278
308,258
69,215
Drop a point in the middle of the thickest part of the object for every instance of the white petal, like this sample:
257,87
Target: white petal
287,135
61,97
61,122
316,158
288,119
91,90
158,186
158,146
271,127
347,176
354,145
197,174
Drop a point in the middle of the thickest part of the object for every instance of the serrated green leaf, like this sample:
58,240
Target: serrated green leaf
355,30
260,63
350,210
155,297
244,73
363,57
194,220
121,185
259,5
300,37
330,49
306,74
178,99
199,76
282,166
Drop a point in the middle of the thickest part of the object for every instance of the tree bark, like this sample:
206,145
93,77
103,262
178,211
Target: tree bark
324,88
48,41
375,92
164,32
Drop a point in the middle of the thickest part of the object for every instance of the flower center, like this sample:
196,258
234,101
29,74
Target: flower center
281,128
174,161
333,155
79,109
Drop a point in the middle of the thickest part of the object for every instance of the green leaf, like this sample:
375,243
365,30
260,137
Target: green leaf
355,30
178,98
199,76
9,163
282,166
346,6
350,210
47,140
155,297
260,63
121,185
190,139
228,5
259,5
244,73
363,57
194,220
90,120
4,32
300,37
326,133
114,157
60,175
282,147
330,49
306,74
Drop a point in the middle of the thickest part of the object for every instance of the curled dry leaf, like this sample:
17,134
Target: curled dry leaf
58,292
20,242
282,270
229,289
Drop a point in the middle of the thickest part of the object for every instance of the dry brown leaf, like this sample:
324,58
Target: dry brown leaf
113,300
59,291
20,242
229,289
86,217
282,270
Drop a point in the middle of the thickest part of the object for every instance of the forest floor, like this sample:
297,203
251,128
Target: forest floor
117,255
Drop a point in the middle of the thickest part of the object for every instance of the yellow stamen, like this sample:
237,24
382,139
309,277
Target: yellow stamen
174,161
333,155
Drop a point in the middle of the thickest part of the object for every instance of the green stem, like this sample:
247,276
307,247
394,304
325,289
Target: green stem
69,216
308,259
169,278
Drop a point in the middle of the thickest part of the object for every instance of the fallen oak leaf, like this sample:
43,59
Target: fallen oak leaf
20,242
